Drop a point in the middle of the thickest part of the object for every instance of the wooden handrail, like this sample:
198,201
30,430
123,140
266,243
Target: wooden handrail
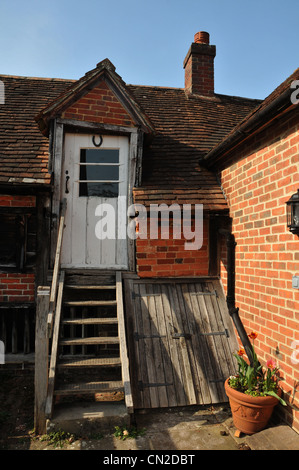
123,345
53,292
52,369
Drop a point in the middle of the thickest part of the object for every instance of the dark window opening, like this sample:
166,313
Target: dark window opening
17,240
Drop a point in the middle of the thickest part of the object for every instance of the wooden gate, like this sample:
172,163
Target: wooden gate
181,341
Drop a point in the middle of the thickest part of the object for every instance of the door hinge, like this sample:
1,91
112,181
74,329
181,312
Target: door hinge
214,292
139,296
215,333
142,385
137,336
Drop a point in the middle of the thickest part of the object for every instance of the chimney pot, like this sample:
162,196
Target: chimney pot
202,37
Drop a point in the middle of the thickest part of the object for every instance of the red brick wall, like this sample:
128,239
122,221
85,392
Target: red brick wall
267,254
168,257
17,287
99,105
16,201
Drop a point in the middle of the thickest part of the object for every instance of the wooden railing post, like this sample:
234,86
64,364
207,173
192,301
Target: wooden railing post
41,359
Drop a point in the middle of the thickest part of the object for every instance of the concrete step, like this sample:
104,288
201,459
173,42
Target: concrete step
85,419
280,437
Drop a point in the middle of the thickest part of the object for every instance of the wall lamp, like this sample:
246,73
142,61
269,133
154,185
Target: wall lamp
293,213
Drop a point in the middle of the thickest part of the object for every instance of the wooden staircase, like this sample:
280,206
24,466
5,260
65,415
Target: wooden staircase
89,358
80,318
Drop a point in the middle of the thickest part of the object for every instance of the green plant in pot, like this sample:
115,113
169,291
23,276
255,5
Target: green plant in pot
253,392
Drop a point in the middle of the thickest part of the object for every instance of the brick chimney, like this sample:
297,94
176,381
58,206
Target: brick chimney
199,66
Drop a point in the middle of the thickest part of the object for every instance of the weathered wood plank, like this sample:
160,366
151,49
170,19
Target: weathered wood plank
186,373
52,370
143,377
57,163
156,348
199,353
132,345
173,345
165,350
202,327
224,353
41,359
148,347
209,340
191,343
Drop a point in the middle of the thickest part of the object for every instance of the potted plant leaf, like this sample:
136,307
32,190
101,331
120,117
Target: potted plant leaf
253,392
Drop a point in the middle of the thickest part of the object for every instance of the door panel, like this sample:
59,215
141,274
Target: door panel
92,177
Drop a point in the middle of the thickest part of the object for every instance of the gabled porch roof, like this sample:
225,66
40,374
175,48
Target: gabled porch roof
104,70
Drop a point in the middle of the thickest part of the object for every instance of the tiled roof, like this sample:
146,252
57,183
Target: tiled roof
23,149
269,108
186,128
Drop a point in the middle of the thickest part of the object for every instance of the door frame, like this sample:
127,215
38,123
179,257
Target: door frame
56,147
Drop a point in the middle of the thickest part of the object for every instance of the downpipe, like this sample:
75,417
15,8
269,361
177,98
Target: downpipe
230,298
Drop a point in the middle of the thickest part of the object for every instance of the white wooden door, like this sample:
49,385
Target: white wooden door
95,185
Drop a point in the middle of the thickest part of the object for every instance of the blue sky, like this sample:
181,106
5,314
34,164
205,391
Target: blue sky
147,41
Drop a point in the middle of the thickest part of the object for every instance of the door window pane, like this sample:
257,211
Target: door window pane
99,173
102,172
99,156
98,189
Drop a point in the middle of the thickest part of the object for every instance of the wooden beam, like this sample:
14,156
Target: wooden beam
133,152
57,165
96,127
41,359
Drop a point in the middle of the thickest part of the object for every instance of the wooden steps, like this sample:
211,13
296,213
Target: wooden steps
72,362
90,388
88,287
90,352
89,321
89,341
90,303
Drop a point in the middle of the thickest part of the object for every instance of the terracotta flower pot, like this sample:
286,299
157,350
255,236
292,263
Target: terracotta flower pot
250,414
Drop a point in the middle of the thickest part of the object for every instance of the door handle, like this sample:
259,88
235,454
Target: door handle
66,182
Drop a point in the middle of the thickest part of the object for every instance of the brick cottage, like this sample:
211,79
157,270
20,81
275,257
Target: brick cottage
165,319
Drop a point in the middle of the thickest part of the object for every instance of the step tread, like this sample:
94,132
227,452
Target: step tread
90,321
74,303
89,340
89,362
89,387
83,286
